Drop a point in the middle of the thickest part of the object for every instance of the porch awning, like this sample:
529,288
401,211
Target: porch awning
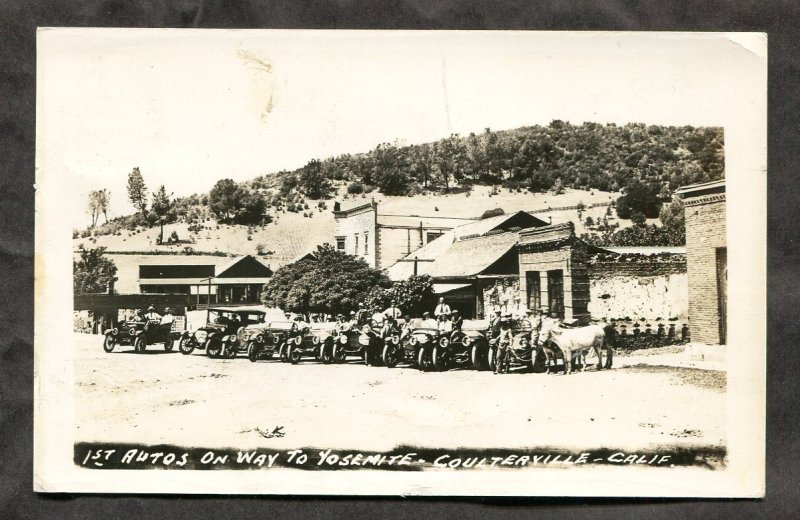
444,288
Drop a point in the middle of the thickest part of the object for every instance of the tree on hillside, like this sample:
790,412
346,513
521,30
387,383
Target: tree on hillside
98,203
137,190
253,209
312,181
161,204
448,158
225,199
673,218
389,170
330,282
93,273
639,197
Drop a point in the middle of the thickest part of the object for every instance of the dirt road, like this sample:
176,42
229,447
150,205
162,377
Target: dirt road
160,397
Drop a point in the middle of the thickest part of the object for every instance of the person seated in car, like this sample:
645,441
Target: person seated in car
167,318
152,315
427,321
378,319
456,320
444,324
406,329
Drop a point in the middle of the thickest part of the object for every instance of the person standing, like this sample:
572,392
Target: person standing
442,309
456,320
152,315
503,343
393,311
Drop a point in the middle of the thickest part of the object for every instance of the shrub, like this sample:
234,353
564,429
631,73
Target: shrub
355,188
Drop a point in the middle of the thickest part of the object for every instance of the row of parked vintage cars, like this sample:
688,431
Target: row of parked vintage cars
233,331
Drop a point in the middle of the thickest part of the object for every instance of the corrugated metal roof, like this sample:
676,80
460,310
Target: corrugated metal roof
444,288
470,256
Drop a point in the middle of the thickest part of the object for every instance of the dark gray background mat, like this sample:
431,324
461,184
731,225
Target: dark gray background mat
18,22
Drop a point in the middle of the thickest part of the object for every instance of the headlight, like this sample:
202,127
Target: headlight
343,339
115,331
200,336
132,331
395,339
444,342
413,341
315,340
466,341
260,338
523,342
298,340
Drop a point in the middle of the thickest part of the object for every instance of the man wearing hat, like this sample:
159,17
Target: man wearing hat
503,344
352,323
167,318
457,320
152,315
427,321
393,311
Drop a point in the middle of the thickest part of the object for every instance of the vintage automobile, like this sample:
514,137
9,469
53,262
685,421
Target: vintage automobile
379,345
270,338
344,343
225,333
465,346
140,334
522,352
315,340
416,347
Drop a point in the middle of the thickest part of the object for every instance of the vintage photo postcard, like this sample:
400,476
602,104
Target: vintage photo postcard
400,263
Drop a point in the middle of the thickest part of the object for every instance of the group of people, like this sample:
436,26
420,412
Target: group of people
151,316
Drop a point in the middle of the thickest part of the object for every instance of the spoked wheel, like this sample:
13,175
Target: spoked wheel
168,344
338,354
391,355
424,361
491,358
326,354
252,351
108,343
294,355
185,346
140,343
283,353
477,357
213,348
438,359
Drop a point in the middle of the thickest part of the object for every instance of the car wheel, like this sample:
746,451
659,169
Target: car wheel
390,356
424,359
438,359
539,361
140,343
213,348
326,354
252,352
168,344
185,346
108,343
338,354
283,352
229,352
491,358
294,355
477,357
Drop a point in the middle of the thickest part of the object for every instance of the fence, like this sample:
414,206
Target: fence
634,335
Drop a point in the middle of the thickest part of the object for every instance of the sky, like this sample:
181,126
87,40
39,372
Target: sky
190,107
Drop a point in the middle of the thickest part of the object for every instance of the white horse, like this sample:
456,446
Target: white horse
574,342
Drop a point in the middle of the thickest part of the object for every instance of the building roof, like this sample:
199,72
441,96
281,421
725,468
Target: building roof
703,188
471,256
646,250
246,266
437,248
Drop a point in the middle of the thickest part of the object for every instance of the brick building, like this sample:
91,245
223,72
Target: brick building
707,260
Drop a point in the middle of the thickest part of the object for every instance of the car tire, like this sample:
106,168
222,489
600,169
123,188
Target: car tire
109,343
477,357
168,344
185,346
339,355
252,352
283,352
491,358
293,355
140,343
326,354
390,356
438,361
424,359
213,348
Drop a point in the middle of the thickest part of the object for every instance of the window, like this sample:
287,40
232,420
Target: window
366,243
355,249
534,288
340,243
433,235
555,292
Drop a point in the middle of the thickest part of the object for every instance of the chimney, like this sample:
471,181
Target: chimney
337,206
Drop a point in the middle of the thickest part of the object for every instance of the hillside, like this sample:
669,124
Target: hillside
291,234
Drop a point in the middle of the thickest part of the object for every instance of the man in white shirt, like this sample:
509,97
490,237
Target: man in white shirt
427,321
442,309
167,318
152,315
393,311
378,317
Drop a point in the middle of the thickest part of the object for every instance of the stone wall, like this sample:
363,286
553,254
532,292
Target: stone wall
638,286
